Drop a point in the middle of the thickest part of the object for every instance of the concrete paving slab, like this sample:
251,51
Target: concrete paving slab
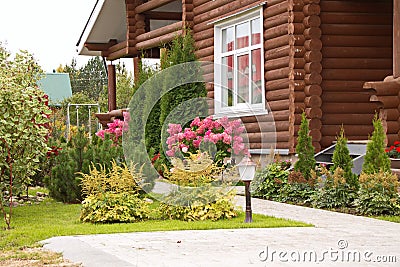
336,240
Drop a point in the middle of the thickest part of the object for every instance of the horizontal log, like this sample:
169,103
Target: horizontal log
382,88
296,17
277,84
357,7
274,21
277,74
157,41
357,41
392,127
313,78
356,29
152,4
313,56
208,6
262,118
315,135
275,95
282,136
313,67
349,108
276,9
356,52
276,31
297,85
313,101
317,146
312,21
392,114
223,10
299,107
297,40
342,86
281,115
314,89
277,52
357,63
355,74
352,18
311,9
296,5
346,97
299,96
297,74
351,119
296,28
276,42
314,123
312,33
116,54
350,130
313,113
387,101
160,31
276,63
205,43
297,51
204,35
278,126
313,44
198,28
205,52
279,105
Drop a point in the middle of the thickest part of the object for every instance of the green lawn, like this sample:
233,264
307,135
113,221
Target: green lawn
38,222
395,219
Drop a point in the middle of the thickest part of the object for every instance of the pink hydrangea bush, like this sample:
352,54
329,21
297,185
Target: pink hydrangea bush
223,133
115,128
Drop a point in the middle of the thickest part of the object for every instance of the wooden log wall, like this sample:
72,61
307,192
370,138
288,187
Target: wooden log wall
204,12
356,47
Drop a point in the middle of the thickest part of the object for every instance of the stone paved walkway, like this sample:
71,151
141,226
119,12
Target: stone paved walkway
336,240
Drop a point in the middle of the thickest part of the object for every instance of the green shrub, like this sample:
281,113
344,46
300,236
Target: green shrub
76,157
334,191
270,180
200,203
376,159
341,159
378,194
297,190
305,150
112,195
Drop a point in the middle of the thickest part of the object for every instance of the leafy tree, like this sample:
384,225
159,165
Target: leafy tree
305,150
376,159
342,159
24,117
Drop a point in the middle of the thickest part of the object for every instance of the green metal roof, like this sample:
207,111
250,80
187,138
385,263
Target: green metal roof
57,86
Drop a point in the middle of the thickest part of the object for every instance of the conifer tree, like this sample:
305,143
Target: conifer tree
342,159
305,150
376,159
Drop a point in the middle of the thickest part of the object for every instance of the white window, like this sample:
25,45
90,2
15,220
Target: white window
239,65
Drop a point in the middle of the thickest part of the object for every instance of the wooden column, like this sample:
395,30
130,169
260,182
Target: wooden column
396,38
136,68
112,88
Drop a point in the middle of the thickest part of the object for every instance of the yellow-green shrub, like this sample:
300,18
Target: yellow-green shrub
112,196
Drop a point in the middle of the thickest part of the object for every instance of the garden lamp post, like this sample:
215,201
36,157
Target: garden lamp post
247,170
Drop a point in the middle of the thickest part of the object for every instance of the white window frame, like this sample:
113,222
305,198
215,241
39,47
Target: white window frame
242,109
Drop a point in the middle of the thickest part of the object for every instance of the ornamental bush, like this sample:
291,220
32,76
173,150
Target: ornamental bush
24,118
376,159
112,195
378,194
305,150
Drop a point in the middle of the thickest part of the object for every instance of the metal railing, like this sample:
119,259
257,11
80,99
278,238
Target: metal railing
89,107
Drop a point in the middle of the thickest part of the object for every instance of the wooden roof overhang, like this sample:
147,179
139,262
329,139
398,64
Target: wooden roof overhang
126,28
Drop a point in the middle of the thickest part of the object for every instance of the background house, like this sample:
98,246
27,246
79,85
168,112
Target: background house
339,61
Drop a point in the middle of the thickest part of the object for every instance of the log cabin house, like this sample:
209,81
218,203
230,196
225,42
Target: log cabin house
339,61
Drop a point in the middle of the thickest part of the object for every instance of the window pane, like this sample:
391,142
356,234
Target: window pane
256,85
227,39
242,35
227,81
243,79
255,31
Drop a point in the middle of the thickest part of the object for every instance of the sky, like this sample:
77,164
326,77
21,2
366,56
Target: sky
48,29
